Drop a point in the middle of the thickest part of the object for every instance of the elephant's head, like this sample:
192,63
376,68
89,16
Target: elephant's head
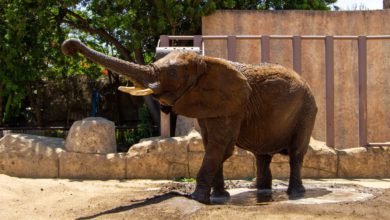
196,86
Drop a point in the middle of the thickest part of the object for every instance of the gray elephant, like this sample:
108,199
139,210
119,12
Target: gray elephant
265,109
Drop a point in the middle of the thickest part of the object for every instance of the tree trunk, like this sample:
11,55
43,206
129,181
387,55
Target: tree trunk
386,4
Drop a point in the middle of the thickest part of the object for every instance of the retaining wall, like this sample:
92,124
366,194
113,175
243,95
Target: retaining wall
33,156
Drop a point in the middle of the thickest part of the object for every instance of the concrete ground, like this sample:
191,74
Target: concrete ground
23,198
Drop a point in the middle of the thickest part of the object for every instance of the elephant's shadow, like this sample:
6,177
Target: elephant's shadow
246,198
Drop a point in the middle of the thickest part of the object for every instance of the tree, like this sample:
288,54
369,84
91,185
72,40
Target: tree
34,29
276,4
23,55
30,54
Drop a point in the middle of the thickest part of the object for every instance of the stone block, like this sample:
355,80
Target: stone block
194,163
147,166
239,167
280,167
195,142
25,155
175,149
280,170
92,166
158,159
92,135
153,166
320,161
236,167
362,162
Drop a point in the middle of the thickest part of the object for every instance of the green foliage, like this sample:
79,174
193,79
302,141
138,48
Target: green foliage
30,53
31,33
275,4
249,178
184,180
55,133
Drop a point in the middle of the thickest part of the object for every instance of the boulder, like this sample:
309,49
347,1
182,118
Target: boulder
92,135
26,155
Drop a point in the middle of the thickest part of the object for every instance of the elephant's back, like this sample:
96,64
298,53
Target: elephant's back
278,95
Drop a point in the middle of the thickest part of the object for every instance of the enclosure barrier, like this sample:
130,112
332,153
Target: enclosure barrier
198,41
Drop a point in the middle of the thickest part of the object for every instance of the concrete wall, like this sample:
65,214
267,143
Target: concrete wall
346,67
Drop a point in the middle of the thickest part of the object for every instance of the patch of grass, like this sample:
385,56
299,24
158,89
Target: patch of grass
55,133
249,178
184,180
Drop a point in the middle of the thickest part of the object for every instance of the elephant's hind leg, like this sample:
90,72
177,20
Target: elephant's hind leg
264,176
300,144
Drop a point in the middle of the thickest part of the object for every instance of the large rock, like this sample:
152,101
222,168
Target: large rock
25,155
92,135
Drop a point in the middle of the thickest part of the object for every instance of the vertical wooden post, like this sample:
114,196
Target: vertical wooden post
329,82
165,119
362,54
164,41
231,44
296,43
198,41
265,49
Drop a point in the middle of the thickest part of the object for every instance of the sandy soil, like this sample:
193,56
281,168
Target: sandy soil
146,199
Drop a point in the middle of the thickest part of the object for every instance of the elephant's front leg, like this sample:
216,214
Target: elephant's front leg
221,134
218,181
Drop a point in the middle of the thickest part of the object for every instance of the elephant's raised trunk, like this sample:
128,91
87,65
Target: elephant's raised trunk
140,75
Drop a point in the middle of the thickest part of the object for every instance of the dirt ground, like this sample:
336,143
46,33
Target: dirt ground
23,198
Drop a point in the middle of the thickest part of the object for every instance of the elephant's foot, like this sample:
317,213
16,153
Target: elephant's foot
220,196
264,190
264,185
296,191
220,193
201,195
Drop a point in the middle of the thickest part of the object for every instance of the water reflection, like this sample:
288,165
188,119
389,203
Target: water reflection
254,197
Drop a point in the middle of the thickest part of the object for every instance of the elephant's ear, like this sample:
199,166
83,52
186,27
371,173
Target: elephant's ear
220,91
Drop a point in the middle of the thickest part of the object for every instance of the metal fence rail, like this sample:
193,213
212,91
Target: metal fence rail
264,40
43,130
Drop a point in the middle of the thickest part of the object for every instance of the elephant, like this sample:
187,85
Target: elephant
265,109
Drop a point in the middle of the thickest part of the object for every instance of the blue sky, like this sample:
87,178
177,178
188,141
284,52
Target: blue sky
370,4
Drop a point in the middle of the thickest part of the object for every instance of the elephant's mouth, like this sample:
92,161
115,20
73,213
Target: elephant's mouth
135,91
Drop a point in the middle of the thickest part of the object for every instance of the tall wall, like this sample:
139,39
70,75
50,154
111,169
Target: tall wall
313,65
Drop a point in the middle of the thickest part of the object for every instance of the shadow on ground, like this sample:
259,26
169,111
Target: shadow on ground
245,198
149,201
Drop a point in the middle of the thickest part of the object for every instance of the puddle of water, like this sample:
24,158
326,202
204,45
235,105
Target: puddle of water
249,197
